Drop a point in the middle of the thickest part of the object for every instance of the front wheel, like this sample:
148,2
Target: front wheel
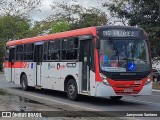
72,92
24,83
115,98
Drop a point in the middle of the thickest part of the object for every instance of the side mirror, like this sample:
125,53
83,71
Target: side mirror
97,43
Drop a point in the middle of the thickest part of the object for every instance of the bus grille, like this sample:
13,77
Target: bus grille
127,77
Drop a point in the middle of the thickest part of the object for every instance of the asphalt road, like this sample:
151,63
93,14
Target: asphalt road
128,103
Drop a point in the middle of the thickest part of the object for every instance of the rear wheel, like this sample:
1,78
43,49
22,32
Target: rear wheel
115,98
24,83
72,92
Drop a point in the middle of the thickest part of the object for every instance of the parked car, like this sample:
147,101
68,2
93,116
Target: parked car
156,74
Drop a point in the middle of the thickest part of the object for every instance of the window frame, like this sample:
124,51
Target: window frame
17,53
78,47
25,52
48,43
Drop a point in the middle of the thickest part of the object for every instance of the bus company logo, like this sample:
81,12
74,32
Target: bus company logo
60,67
50,65
25,65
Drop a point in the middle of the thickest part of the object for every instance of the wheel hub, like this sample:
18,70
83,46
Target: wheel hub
71,90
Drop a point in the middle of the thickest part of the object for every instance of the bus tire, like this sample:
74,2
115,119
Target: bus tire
72,92
115,98
24,83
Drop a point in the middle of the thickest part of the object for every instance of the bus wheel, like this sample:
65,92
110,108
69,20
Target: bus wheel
24,84
72,92
115,98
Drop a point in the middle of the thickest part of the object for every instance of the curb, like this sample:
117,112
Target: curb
155,90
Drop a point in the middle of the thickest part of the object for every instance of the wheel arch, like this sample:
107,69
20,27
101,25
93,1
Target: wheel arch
23,73
68,77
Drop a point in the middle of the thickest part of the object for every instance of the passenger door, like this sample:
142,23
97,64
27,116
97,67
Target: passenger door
12,64
86,59
38,59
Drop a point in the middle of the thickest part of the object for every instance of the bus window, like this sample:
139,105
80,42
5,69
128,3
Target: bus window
54,50
45,51
19,52
28,51
70,49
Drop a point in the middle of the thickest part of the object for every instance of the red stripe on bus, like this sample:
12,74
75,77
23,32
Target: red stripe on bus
98,78
7,64
16,65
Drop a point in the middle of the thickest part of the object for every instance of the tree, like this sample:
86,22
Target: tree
14,20
142,13
78,16
92,17
60,26
11,28
19,7
14,27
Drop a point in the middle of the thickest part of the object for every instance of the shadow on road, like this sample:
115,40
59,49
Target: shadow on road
83,98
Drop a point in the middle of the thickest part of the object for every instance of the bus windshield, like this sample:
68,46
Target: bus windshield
121,55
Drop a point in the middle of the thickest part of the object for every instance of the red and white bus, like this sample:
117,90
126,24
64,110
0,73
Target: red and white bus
104,61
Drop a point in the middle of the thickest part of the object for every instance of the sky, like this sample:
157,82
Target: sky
46,7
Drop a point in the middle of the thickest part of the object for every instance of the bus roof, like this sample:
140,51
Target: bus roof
78,32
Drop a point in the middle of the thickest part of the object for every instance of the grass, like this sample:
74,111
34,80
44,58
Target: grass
156,85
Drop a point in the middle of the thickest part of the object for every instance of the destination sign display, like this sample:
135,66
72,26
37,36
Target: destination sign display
120,33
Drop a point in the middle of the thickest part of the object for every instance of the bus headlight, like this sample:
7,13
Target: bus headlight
104,79
149,79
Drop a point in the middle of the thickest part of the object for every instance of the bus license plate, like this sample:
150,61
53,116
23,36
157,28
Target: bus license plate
128,90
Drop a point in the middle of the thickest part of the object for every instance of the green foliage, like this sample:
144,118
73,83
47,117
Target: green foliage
19,7
60,26
91,19
142,13
13,27
78,16
14,22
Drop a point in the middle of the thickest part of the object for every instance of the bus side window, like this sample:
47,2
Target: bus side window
19,52
54,50
28,51
70,49
45,51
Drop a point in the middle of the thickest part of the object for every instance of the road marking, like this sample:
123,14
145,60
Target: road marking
73,105
141,101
